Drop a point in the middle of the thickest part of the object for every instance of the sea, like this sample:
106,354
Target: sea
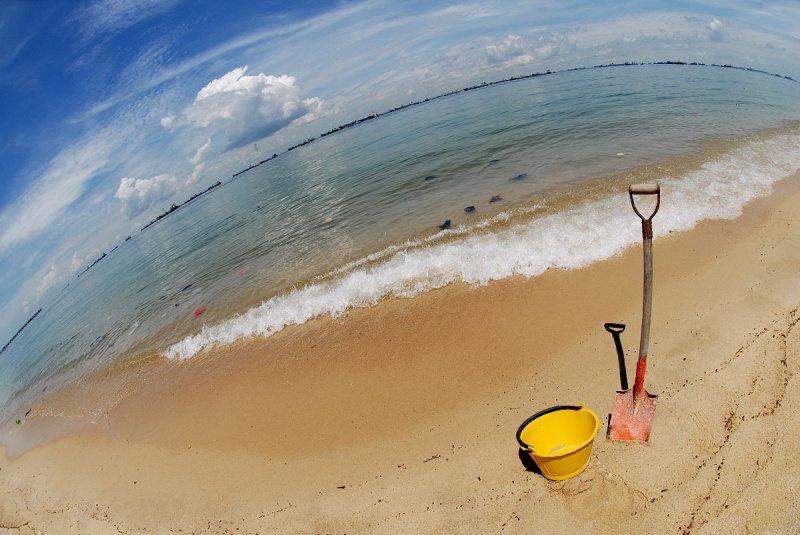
509,179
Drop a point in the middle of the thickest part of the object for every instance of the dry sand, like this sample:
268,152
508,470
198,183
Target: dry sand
401,418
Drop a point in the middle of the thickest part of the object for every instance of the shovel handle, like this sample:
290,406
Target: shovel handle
647,301
614,327
645,189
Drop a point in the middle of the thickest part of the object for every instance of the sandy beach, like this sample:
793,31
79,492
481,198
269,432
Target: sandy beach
401,418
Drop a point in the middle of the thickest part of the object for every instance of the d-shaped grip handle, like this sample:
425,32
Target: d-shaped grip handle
645,189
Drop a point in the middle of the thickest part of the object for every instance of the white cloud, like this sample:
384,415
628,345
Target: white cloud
315,108
231,81
248,108
197,171
112,16
198,161
486,58
650,31
168,122
75,263
201,153
47,281
715,30
62,183
139,194
512,50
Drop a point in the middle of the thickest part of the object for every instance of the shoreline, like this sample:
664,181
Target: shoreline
401,417
526,239
233,306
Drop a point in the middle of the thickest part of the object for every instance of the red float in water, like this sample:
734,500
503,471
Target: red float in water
199,311
243,271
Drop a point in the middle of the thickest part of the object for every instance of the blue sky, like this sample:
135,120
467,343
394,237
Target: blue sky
111,110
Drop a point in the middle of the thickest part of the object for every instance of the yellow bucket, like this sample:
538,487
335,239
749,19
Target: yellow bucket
559,439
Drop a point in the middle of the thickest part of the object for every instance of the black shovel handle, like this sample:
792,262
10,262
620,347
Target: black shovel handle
615,329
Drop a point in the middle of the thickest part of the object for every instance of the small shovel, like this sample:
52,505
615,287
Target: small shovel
634,410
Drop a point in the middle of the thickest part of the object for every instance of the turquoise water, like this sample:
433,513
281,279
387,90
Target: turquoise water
353,217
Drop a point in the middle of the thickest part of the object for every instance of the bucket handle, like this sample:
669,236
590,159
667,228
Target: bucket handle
526,447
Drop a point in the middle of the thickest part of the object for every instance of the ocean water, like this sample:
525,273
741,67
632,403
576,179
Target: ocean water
542,164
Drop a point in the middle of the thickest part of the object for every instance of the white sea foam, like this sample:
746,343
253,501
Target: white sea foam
568,240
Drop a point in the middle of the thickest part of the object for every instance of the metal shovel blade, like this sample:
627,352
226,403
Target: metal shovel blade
632,418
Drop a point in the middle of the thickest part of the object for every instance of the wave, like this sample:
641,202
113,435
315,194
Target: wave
570,239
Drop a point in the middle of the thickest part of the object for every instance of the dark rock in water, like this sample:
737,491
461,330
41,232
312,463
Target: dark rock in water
430,177
493,162
187,287
495,198
445,225
469,209
521,176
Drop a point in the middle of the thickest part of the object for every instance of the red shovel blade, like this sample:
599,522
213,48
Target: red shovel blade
632,418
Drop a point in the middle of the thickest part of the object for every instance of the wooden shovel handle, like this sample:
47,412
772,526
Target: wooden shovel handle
645,189
647,301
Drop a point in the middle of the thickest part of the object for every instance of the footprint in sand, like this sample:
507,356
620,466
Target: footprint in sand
606,500
705,439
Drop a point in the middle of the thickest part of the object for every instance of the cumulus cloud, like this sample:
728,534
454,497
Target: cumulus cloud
507,54
197,172
553,45
248,108
716,32
315,108
198,161
139,194
168,122
512,50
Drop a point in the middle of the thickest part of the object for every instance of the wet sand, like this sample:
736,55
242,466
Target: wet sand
401,417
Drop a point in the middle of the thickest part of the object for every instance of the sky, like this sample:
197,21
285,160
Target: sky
112,110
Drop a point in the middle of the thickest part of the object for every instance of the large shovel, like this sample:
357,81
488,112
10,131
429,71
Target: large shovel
634,410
